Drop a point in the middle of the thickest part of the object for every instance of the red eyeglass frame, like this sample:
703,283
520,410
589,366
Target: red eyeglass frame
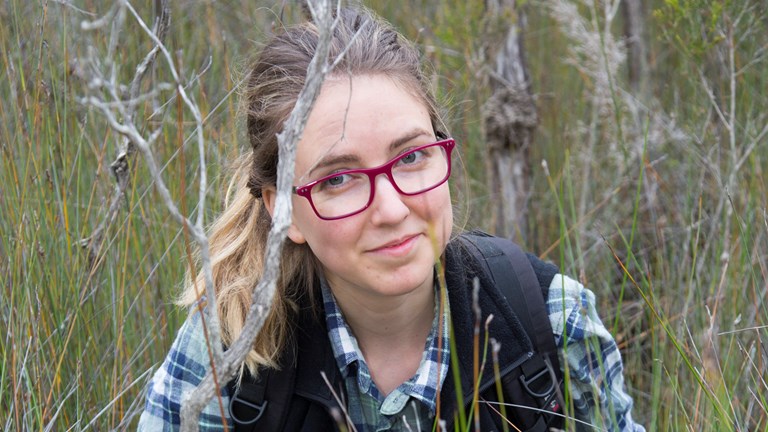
305,191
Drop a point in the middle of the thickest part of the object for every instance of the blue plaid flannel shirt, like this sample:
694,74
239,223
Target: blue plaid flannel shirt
368,409
593,363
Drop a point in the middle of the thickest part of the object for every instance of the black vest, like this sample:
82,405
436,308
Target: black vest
299,399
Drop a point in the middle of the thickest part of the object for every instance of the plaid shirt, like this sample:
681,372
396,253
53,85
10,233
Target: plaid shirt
182,370
594,363
594,367
368,408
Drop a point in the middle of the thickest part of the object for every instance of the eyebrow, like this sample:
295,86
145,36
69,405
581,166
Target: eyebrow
416,133
331,160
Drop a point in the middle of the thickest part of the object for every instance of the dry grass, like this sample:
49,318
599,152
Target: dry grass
659,204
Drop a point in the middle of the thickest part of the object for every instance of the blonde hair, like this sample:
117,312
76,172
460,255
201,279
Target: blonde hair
238,237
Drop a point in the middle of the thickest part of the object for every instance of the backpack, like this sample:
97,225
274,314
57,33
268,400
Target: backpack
539,379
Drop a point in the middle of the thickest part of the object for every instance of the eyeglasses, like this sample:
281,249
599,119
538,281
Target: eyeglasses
346,193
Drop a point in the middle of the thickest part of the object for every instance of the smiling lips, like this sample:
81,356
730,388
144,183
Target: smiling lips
398,247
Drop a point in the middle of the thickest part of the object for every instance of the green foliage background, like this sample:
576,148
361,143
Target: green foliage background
658,205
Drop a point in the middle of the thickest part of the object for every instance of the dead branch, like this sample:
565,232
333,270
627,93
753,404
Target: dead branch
194,402
120,116
107,98
134,140
120,167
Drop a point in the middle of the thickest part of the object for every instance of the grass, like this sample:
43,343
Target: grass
661,210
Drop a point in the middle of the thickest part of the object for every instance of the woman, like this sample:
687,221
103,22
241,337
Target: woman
358,316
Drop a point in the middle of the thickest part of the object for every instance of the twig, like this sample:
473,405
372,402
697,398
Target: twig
120,166
69,4
189,103
101,22
120,117
339,401
194,402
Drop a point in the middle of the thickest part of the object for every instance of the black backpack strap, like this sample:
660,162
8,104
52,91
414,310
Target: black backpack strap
251,408
248,401
510,270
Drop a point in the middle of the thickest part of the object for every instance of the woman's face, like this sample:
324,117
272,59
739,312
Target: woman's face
388,249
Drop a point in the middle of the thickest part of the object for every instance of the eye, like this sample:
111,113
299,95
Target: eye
411,158
335,181
341,182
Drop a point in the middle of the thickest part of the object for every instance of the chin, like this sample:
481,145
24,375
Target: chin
412,279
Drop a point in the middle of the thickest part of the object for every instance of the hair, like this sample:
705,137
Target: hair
238,237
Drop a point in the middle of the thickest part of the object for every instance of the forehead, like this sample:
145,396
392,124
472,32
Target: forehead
361,115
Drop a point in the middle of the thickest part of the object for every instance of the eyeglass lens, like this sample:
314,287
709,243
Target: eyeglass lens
350,191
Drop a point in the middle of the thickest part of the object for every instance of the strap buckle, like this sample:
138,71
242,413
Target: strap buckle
259,408
538,370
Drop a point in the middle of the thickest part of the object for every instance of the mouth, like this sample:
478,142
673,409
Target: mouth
400,246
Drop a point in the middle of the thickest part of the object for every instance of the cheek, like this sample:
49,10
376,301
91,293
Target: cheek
302,218
325,238
446,214
437,205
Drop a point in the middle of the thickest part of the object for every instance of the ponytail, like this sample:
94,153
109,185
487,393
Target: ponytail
237,244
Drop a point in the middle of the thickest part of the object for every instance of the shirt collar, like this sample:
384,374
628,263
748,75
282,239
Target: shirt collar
344,344
432,370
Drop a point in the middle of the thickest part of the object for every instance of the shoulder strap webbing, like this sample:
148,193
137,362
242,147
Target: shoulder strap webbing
249,402
511,272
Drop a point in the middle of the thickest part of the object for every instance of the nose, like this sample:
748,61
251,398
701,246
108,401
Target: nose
387,206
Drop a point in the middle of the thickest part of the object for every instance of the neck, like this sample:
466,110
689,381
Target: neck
378,319
391,331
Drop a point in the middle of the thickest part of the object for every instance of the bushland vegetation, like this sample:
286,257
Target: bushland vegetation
650,188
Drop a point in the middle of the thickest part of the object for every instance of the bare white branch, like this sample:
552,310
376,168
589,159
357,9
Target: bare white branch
90,72
211,314
194,402
100,22
119,115
68,3
191,106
